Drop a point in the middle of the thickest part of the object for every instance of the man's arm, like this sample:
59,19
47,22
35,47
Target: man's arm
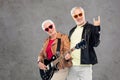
96,32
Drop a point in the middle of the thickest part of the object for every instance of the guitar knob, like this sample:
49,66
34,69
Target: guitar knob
53,57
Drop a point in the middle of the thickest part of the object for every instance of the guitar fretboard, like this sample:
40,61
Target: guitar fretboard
61,57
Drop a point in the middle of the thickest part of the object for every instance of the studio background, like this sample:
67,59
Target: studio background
21,35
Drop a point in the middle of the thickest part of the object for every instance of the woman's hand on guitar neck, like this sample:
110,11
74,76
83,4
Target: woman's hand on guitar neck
42,66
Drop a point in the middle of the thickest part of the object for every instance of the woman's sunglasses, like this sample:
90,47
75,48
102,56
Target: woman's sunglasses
49,27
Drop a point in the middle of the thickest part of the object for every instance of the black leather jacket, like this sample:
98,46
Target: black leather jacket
91,34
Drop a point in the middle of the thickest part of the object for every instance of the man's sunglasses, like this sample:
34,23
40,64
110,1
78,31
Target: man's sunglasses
80,15
49,27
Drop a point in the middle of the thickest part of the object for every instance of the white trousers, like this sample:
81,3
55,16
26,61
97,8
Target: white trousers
80,73
61,74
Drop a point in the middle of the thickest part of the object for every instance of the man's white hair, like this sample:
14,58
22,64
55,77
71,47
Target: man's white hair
48,20
74,8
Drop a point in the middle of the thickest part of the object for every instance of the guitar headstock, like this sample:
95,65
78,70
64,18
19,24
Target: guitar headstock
81,44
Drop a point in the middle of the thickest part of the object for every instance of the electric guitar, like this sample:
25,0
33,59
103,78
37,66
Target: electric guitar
53,62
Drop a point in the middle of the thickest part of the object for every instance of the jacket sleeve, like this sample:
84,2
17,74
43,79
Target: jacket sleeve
66,43
66,48
41,56
95,35
41,53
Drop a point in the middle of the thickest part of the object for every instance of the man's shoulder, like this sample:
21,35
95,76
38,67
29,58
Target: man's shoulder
88,26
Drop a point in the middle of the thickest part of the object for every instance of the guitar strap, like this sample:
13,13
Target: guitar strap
58,47
57,52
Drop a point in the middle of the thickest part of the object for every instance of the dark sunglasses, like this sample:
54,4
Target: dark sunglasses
80,15
49,27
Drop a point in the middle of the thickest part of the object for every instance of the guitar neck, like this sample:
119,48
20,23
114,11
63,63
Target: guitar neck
71,50
63,56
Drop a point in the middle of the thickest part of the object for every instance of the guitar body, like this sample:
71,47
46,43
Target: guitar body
47,74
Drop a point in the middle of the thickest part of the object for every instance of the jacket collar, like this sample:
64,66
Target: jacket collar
58,36
83,25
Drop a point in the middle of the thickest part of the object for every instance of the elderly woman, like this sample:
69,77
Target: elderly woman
49,50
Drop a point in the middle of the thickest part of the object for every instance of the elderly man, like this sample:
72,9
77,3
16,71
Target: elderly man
49,50
83,59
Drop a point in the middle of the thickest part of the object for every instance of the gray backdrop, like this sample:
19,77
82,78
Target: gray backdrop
21,36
